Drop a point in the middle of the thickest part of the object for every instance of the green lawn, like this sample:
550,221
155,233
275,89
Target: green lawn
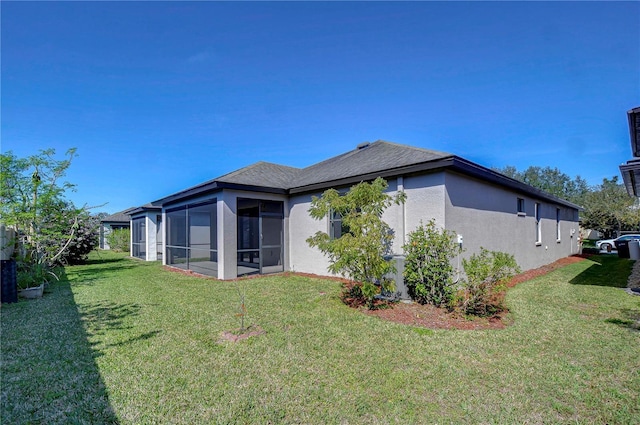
122,341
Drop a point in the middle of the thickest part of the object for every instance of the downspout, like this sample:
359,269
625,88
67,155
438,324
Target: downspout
402,211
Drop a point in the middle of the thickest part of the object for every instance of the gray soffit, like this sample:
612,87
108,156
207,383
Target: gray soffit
631,176
634,130
631,170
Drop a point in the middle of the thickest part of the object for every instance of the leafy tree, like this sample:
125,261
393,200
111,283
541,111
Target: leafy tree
74,236
609,209
51,230
428,272
359,253
551,180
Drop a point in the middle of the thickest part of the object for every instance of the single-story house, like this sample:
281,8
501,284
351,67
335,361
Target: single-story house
256,219
119,220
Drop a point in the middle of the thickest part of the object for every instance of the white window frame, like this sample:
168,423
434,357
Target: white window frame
536,214
521,207
558,233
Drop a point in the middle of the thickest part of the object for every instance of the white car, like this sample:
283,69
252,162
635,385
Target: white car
609,244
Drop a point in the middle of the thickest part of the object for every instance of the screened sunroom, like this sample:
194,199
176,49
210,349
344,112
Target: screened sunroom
192,237
260,230
146,233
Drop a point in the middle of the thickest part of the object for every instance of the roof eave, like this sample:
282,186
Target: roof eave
473,169
214,187
391,172
453,163
631,177
145,209
634,130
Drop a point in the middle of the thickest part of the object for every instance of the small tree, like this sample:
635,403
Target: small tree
51,229
359,253
428,272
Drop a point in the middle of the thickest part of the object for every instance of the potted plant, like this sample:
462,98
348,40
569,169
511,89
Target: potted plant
32,279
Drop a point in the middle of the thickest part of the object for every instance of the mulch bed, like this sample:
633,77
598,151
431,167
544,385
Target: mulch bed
439,318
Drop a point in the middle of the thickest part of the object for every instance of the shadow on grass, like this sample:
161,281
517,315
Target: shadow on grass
105,318
104,259
91,272
630,319
48,369
606,270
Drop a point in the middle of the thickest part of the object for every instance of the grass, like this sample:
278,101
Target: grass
122,341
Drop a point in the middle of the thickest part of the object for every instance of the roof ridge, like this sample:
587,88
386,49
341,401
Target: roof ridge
416,148
333,158
254,165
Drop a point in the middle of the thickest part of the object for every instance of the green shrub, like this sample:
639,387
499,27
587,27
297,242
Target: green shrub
428,272
487,272
119,240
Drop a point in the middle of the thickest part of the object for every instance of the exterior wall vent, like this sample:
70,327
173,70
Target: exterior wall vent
363,145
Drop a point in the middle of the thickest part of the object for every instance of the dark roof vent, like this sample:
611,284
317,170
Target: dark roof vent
363,145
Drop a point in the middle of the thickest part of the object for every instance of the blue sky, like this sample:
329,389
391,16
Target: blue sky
160,96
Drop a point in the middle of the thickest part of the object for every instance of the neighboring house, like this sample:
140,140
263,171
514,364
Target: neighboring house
631,170
119,220
256,219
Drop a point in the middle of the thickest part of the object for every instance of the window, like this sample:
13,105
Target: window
538,224
337,228
558,224
159,236
521,206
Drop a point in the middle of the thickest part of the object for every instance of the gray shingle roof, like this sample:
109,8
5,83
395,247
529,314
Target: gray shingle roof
263,174
366,162
119,217
366,159
362,161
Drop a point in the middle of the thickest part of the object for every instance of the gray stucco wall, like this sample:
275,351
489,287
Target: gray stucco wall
486,216
105,231
425,201
303,258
